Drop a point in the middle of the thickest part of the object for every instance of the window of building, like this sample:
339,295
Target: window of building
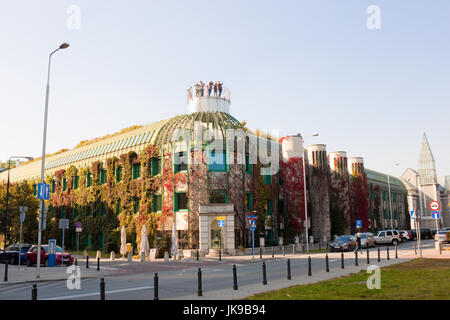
135,205
119,173
267,179
269,207
156,166
218,196
53,186
384,195
102,209
180,201
248,165
217,161
136,170
64,184
101,241
63,212
249,201
89,179
88,240
76,180
103,176
180,161
157,203
34,190
118,205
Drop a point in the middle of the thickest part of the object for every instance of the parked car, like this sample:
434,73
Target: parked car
433,232
424,234
13,252
405,235
343,243
367,240
442,235
60,254
388,237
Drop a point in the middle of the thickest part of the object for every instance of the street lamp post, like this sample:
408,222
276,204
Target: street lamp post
418,217
390,201
41,204
5,218
304,191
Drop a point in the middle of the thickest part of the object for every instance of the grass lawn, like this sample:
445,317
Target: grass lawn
421,279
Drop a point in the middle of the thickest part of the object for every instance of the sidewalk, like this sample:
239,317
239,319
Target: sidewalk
28,274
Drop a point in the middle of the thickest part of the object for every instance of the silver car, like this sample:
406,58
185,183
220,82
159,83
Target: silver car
367,239
388,237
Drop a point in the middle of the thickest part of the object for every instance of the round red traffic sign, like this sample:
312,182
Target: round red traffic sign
434,205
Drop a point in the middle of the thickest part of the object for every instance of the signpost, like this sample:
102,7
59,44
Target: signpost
78,229
23,211
252,222
435,206
413,214
221,223
51,252
63,224
43,191
359,224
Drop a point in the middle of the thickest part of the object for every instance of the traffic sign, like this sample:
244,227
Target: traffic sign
358,223
434,205
221,223
413,214
78,229
43,191
78,225
252,225
436,214
63,223
221,218
22,210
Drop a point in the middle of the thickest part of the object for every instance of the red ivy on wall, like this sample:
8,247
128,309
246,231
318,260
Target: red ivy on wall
359,201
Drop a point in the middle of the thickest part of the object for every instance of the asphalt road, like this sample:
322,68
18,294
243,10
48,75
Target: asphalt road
138,285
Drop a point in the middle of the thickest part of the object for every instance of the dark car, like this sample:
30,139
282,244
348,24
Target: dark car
343,243
424,234
12,253
60,254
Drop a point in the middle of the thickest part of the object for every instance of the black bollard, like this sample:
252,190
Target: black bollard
327,266
303,247
283,250
260,252
235,285
288,269
220,254
102,289
368,260
87,262
197,255
356,258
264,273
396,255
387,253
379,255
98,264
6,271
199,289
342,260
309,266
155,285
320,247
76,262
34,292
273,252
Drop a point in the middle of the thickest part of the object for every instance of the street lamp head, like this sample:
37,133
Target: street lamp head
64,45
315,134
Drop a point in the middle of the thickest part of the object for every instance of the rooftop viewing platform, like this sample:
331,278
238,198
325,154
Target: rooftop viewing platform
211,96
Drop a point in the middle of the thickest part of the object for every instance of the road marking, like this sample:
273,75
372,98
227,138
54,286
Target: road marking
97,293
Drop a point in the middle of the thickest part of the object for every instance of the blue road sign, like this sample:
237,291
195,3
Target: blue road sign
43,191
78,225
436,214
413,215
252,225
221,223
358,223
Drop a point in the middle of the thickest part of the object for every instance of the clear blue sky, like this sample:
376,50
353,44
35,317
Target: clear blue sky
297,66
